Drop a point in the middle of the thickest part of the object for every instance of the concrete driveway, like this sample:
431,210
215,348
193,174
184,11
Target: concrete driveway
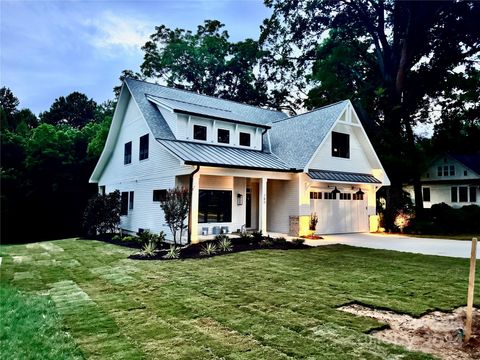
440,247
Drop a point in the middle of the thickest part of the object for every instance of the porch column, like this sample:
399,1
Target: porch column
262,205
194,209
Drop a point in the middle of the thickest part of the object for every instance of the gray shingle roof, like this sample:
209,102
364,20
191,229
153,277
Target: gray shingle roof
209,106
330,175
214,155
295,139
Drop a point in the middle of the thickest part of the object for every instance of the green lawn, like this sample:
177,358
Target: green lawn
266,304
464,237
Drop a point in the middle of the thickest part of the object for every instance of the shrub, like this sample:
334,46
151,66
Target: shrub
175,208
280,241
266,242
102,214
129,238
208,249
149,249
172,253
245,237
257,236
313,221
224,244
117,238
298,242
146,237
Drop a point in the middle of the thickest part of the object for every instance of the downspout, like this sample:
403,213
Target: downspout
190,206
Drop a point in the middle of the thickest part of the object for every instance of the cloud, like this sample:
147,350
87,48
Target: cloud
112,32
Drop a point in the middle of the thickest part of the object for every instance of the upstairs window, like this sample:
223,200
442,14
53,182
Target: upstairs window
439,171
340,145
244,139
452,170
200,132
143,147
223,136
124,203
426,194
127,153
445,170
159,195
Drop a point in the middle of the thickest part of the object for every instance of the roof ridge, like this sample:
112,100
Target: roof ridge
186,102
208,96
311,111
213,145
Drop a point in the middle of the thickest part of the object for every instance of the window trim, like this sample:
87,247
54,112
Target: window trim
200,126
143,154
336,136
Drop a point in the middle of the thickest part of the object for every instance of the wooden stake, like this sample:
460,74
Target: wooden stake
471,283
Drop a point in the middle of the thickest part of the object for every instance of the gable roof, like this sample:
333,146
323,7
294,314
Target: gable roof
193,153
295,139
472,161
190,102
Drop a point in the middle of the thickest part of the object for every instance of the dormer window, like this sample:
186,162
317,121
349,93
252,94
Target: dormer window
200,132
340,145
244,139
223,136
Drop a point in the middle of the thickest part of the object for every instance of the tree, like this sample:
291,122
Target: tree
206,62
8,101
415,46
175,208
75,110
102,214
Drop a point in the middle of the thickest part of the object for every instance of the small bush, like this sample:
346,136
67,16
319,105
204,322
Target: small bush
266,242
257,236
280,241
298,242
225,244
102,214
245,237
220,237
129,238
208,249
146,237
172,253
117,238
149,249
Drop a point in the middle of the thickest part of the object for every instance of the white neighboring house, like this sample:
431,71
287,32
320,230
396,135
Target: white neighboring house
244,166
452,179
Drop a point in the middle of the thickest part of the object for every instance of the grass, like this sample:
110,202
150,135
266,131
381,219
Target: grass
265,304
464,237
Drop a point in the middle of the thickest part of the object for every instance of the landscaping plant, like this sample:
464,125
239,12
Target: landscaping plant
208,249
224,244
175,207
172,253
149,249
102,214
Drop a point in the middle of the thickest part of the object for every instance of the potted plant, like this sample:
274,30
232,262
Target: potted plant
313,222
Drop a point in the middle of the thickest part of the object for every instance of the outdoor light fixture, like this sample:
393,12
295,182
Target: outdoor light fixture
336,191
359,192
239,199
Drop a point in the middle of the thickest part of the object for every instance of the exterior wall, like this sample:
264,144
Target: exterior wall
460,169
441,193
282,202
142,177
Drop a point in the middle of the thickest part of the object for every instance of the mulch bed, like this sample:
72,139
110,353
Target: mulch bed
192,251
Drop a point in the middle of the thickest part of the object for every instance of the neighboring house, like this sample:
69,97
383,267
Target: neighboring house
452,179
246,167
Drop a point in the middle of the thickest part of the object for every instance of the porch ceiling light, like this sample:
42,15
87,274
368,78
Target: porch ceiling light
336,191
239,199
359,192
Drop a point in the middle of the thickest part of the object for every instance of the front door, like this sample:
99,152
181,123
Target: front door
248,209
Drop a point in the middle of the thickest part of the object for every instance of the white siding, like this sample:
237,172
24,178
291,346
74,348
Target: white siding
282,202
441,193
460,169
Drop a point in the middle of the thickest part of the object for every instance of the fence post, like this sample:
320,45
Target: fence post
471,285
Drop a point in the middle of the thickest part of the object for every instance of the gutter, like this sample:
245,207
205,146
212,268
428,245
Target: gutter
190,205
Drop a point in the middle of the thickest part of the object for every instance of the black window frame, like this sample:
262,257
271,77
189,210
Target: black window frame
214,202
472,193
127,153
453,194
143,147
159,195
124,203
340,145
426,194
220,138
445,170
243,137
196,128
463,194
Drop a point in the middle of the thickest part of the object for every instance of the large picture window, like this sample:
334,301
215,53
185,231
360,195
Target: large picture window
340,145
214,206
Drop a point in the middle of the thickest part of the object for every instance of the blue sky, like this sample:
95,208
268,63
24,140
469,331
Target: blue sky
51,48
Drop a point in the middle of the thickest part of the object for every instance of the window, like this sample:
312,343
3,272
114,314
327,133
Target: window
453,193
143,147
439,171
357,196
445,170
426,194
427,175
473,194
130,201
340,145
452,170
244,139
315,195
214,206
124,204
463,194
329,196
223,136
345,196
101,190
159,195
200,132
127,153
465,173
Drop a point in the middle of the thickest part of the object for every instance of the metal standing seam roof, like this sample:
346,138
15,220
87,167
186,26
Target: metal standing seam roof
330,175
296,139
225,156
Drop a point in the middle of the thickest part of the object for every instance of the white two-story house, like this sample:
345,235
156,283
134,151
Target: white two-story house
453,179
245,167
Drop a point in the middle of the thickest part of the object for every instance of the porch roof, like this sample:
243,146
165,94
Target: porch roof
224,156
342,176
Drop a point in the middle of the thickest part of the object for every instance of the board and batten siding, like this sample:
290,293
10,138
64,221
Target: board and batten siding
158,171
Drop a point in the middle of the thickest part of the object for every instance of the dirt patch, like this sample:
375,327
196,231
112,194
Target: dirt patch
437,333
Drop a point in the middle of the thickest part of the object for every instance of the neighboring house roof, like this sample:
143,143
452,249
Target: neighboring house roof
196,103
472,161
296,139
225,156
342,176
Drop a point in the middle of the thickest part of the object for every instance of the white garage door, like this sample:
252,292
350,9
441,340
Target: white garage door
347,213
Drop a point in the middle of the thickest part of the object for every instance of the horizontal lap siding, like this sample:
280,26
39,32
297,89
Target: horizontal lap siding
282,202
